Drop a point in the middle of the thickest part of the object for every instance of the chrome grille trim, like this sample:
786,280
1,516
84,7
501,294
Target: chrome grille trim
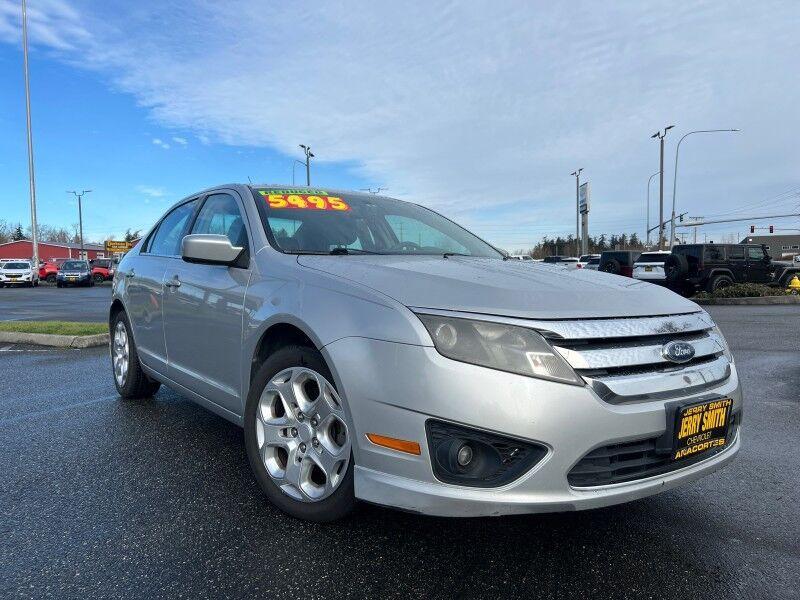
627,355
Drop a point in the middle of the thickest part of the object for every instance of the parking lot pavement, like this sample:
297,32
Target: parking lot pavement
103,497
49,303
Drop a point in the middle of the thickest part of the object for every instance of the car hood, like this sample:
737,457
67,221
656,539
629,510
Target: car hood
506,288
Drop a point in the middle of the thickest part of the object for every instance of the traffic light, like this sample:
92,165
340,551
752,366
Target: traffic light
771,229
752,228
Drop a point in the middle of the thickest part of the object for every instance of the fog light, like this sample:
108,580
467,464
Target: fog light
464,455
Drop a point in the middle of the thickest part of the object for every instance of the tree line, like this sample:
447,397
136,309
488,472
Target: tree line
10,232
565,246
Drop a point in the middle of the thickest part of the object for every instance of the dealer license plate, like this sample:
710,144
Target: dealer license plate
648,269
701,427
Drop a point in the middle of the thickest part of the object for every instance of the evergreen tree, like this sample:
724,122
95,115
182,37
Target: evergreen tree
18,234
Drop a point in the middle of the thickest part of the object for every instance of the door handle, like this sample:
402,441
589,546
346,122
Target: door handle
173,283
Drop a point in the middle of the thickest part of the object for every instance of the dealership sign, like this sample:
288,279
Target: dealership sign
117,246
583,198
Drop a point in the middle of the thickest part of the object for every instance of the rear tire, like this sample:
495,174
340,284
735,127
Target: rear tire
718,282
129,377
331,505
50,278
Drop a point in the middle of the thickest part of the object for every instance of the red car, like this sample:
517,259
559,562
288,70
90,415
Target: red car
102,269
48,270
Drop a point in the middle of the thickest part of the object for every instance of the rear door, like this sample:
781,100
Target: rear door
144,275
737,262
758,266
203,309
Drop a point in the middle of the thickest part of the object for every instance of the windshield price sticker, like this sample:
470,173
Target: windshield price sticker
321,201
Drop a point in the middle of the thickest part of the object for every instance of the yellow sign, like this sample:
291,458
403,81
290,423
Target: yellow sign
117,246
304,201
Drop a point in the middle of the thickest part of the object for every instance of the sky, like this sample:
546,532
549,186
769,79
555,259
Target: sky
480,110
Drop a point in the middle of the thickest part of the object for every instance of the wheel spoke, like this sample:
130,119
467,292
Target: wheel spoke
293,469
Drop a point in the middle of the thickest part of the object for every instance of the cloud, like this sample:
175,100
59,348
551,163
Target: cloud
477,111
161,143
179,140
151,191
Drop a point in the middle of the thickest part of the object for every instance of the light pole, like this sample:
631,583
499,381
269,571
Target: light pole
649,181
675,177
661,135
577,175
309,155
294,164
31,177
79,196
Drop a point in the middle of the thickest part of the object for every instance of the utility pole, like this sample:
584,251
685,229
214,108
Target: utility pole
309,156
577,175
661,135
80,215
31,176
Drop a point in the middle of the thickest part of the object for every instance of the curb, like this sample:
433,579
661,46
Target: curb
762,301
57,341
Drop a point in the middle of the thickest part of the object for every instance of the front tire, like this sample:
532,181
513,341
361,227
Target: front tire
297,437
129,378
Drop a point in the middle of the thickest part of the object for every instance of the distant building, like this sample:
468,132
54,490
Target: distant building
780,246
50,250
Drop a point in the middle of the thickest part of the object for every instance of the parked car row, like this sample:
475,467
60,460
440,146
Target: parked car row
62,272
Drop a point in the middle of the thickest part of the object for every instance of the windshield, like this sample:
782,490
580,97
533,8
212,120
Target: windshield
312,221
74,265
16,265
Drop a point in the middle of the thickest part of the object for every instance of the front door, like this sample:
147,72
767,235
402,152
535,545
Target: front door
203,311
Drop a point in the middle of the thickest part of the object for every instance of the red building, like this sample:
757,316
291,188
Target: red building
50,250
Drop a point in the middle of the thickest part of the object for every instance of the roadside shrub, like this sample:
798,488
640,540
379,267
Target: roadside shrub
743,290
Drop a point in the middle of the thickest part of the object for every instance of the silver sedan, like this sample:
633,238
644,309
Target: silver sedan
372,349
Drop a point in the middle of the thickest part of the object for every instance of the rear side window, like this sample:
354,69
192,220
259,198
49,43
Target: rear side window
735,253
713,253
755,253
167,239
624,258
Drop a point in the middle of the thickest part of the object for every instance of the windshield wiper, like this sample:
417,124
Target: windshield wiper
449,254
343,250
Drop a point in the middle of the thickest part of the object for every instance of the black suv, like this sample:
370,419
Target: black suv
709,267
618,262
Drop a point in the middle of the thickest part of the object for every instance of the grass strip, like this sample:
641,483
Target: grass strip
54,327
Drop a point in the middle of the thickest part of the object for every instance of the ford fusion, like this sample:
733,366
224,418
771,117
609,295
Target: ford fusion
374,350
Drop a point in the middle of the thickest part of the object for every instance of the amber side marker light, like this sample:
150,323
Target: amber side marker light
394,443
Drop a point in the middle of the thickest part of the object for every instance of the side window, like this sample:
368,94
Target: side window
167,239
712,253
408,230
736,253
220,215
755,253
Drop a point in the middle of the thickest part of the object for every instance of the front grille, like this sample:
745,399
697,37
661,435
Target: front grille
620,463
623,361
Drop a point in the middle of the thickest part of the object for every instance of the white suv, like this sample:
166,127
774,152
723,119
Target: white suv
18,272
650,266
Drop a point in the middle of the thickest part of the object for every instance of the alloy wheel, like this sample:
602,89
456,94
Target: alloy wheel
120,352
302,436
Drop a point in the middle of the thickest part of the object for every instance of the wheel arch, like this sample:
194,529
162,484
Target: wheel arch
279,334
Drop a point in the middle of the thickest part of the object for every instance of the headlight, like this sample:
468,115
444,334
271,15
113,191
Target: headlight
726,351
498,346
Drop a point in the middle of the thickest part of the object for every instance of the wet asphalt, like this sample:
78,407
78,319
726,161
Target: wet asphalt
49,303
106,498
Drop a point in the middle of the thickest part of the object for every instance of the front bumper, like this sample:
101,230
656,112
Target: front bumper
393,389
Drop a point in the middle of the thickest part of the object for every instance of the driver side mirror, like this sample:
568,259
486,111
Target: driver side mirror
210,249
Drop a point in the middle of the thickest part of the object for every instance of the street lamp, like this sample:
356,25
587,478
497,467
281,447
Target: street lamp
675,177
31,176
577,175
79,196
309,155
647,231
661,135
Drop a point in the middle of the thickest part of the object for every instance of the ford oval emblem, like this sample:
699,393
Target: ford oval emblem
678,352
